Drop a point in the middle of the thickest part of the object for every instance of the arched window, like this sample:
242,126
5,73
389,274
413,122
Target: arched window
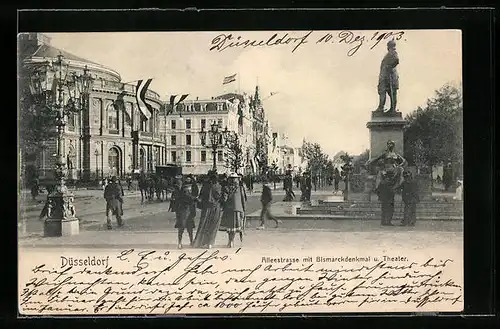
114,161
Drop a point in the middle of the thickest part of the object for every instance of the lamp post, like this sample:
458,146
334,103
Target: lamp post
96,153
55,88
84,87
217,138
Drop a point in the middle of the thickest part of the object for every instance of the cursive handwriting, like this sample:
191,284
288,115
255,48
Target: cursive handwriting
353,40
153,282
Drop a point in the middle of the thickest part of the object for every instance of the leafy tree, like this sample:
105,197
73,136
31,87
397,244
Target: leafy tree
316,159
235,158
360,160
434,134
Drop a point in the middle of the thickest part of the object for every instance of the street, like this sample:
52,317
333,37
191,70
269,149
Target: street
155,217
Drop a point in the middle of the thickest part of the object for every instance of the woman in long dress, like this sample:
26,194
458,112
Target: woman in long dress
210,199
233,216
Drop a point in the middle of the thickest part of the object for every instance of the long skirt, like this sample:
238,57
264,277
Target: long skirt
232,221
183,220
208,227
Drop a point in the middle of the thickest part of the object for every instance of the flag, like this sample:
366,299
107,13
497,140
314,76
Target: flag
229,79
140,96
172,103
183,97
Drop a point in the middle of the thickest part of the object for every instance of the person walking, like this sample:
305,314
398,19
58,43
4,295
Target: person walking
288,187
210,201
410,199
266,198
184,220
233,214
113,194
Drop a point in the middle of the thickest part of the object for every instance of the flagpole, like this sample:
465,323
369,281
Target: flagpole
239,86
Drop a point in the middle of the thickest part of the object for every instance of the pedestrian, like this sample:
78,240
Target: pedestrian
176,190
288,187
210,202
35,186
266,198
184,220
129,182
336,179
410,199
113,194
233,214
385,193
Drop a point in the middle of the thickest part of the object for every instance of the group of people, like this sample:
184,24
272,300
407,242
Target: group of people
221,200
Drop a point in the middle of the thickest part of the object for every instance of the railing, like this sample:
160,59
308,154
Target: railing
119,86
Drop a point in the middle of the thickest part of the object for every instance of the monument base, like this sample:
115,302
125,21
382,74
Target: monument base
385,126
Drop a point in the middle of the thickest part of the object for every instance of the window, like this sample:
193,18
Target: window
203,123
188,156
173,140
188,123
188,139
219,156
203,156
172,124
174,156
112,119
219,122
71,122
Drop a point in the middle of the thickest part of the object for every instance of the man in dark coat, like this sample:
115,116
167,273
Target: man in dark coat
266,198
410,199
113,193
385,193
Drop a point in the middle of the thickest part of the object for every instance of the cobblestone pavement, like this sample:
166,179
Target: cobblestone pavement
271,240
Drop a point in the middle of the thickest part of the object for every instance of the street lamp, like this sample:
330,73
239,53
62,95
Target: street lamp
218,138
96,153
54,87
84,87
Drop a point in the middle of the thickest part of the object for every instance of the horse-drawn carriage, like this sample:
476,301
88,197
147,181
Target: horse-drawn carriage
160,182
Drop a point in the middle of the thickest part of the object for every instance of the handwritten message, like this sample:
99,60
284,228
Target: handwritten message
352,40
235,281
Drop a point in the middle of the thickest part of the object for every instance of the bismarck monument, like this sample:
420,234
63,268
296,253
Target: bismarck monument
385,124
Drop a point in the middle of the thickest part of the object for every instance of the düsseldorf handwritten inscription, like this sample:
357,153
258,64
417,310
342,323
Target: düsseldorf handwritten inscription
163,282
350,39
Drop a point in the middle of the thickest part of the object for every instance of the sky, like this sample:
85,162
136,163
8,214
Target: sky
326,81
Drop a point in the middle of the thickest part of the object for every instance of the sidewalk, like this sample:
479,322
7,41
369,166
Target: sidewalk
269,239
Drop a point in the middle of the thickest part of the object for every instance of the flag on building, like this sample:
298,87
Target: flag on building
173,104
140,96
229,79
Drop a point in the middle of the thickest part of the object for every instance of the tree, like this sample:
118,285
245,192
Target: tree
36,121
434,134
234,153
360,160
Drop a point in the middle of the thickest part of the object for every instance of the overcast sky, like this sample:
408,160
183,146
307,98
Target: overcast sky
325,92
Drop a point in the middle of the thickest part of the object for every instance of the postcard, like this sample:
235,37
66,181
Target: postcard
240,172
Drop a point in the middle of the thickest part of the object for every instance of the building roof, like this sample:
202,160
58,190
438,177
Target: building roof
45,50
230,96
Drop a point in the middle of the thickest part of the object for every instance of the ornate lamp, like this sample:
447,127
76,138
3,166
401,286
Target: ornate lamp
60,91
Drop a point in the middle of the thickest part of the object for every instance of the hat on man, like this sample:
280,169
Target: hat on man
178,177
233,175
114,179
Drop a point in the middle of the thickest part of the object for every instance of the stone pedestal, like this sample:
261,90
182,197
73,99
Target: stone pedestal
61,220
383,127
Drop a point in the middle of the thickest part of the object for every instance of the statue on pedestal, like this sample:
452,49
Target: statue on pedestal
388,81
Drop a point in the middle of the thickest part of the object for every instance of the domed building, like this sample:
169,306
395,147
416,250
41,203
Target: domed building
110,136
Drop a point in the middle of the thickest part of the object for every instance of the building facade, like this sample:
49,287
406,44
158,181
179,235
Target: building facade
183,132
110,136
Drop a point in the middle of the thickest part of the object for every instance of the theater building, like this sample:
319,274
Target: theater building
110,136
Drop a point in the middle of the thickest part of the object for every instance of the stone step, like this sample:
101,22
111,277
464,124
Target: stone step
377,212
343,217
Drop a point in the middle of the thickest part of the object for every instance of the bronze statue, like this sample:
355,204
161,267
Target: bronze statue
390,167
388,81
